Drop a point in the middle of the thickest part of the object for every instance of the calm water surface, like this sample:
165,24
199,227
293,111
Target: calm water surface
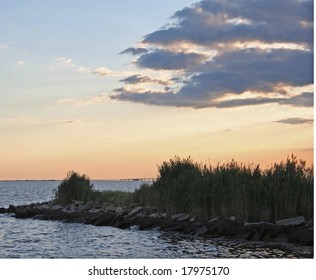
20,238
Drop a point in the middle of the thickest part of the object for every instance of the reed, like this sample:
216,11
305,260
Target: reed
232,189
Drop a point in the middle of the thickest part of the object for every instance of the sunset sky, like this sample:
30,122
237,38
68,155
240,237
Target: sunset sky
114,88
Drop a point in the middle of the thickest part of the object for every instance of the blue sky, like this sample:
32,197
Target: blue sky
113,88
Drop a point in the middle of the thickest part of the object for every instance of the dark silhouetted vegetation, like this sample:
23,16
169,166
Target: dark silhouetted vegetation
79,187
74,187
247,192
113,197
281,191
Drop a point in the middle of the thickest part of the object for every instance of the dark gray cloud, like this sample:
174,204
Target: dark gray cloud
177,100
134,51
281,32
211,22
139,78
162,59
296,121
306,99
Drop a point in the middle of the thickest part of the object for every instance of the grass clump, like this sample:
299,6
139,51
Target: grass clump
74,187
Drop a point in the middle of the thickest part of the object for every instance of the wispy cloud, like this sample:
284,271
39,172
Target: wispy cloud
84,101
28,122
217,48
69,63
3,46
98,71
296,121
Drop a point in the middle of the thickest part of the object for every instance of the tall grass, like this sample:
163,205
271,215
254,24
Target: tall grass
74,187
245,191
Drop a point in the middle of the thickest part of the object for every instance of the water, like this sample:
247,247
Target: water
27,238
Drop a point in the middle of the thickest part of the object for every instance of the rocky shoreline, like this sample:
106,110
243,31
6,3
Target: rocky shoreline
293,230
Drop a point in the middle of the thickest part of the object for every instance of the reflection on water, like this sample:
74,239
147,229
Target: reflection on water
225,248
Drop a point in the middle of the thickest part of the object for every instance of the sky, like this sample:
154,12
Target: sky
113,89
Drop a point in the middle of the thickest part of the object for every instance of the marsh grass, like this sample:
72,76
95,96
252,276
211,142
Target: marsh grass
232,189
281,191
74,187
113,197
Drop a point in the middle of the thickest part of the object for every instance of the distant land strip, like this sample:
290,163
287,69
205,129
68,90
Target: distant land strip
107,180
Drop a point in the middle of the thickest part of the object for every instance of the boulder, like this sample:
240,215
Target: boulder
291,221
77,202
184,218
57,207
201,231
119,210
83,208
110,208
134,212
213,220
104,219
177,216
3,210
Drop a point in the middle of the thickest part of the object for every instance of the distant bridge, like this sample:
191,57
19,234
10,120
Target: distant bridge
128,179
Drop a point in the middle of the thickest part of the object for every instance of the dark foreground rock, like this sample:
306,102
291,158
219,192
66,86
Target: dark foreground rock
294,230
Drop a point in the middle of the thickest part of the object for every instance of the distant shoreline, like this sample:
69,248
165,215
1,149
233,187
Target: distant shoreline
96,180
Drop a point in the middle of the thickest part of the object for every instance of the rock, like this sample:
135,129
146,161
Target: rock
233,218
57,207
154,215
97,205
214,220
134,212
148,222
78,202
110,208
291,221
104,219
83,208
150,210
119,210
12,208
201,231
3,210
26,212
72,208
184,218
177,216
302,236
257,223
94,211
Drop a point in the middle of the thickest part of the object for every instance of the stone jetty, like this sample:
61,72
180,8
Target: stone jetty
292,230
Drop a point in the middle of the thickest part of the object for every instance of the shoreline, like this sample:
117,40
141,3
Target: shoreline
294,231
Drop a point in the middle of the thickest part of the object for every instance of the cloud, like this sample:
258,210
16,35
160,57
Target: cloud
139,78
162,59
3,46
84,101
134,51
212,22
296,121
172,99
19,63
218,47
102,71
30,122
